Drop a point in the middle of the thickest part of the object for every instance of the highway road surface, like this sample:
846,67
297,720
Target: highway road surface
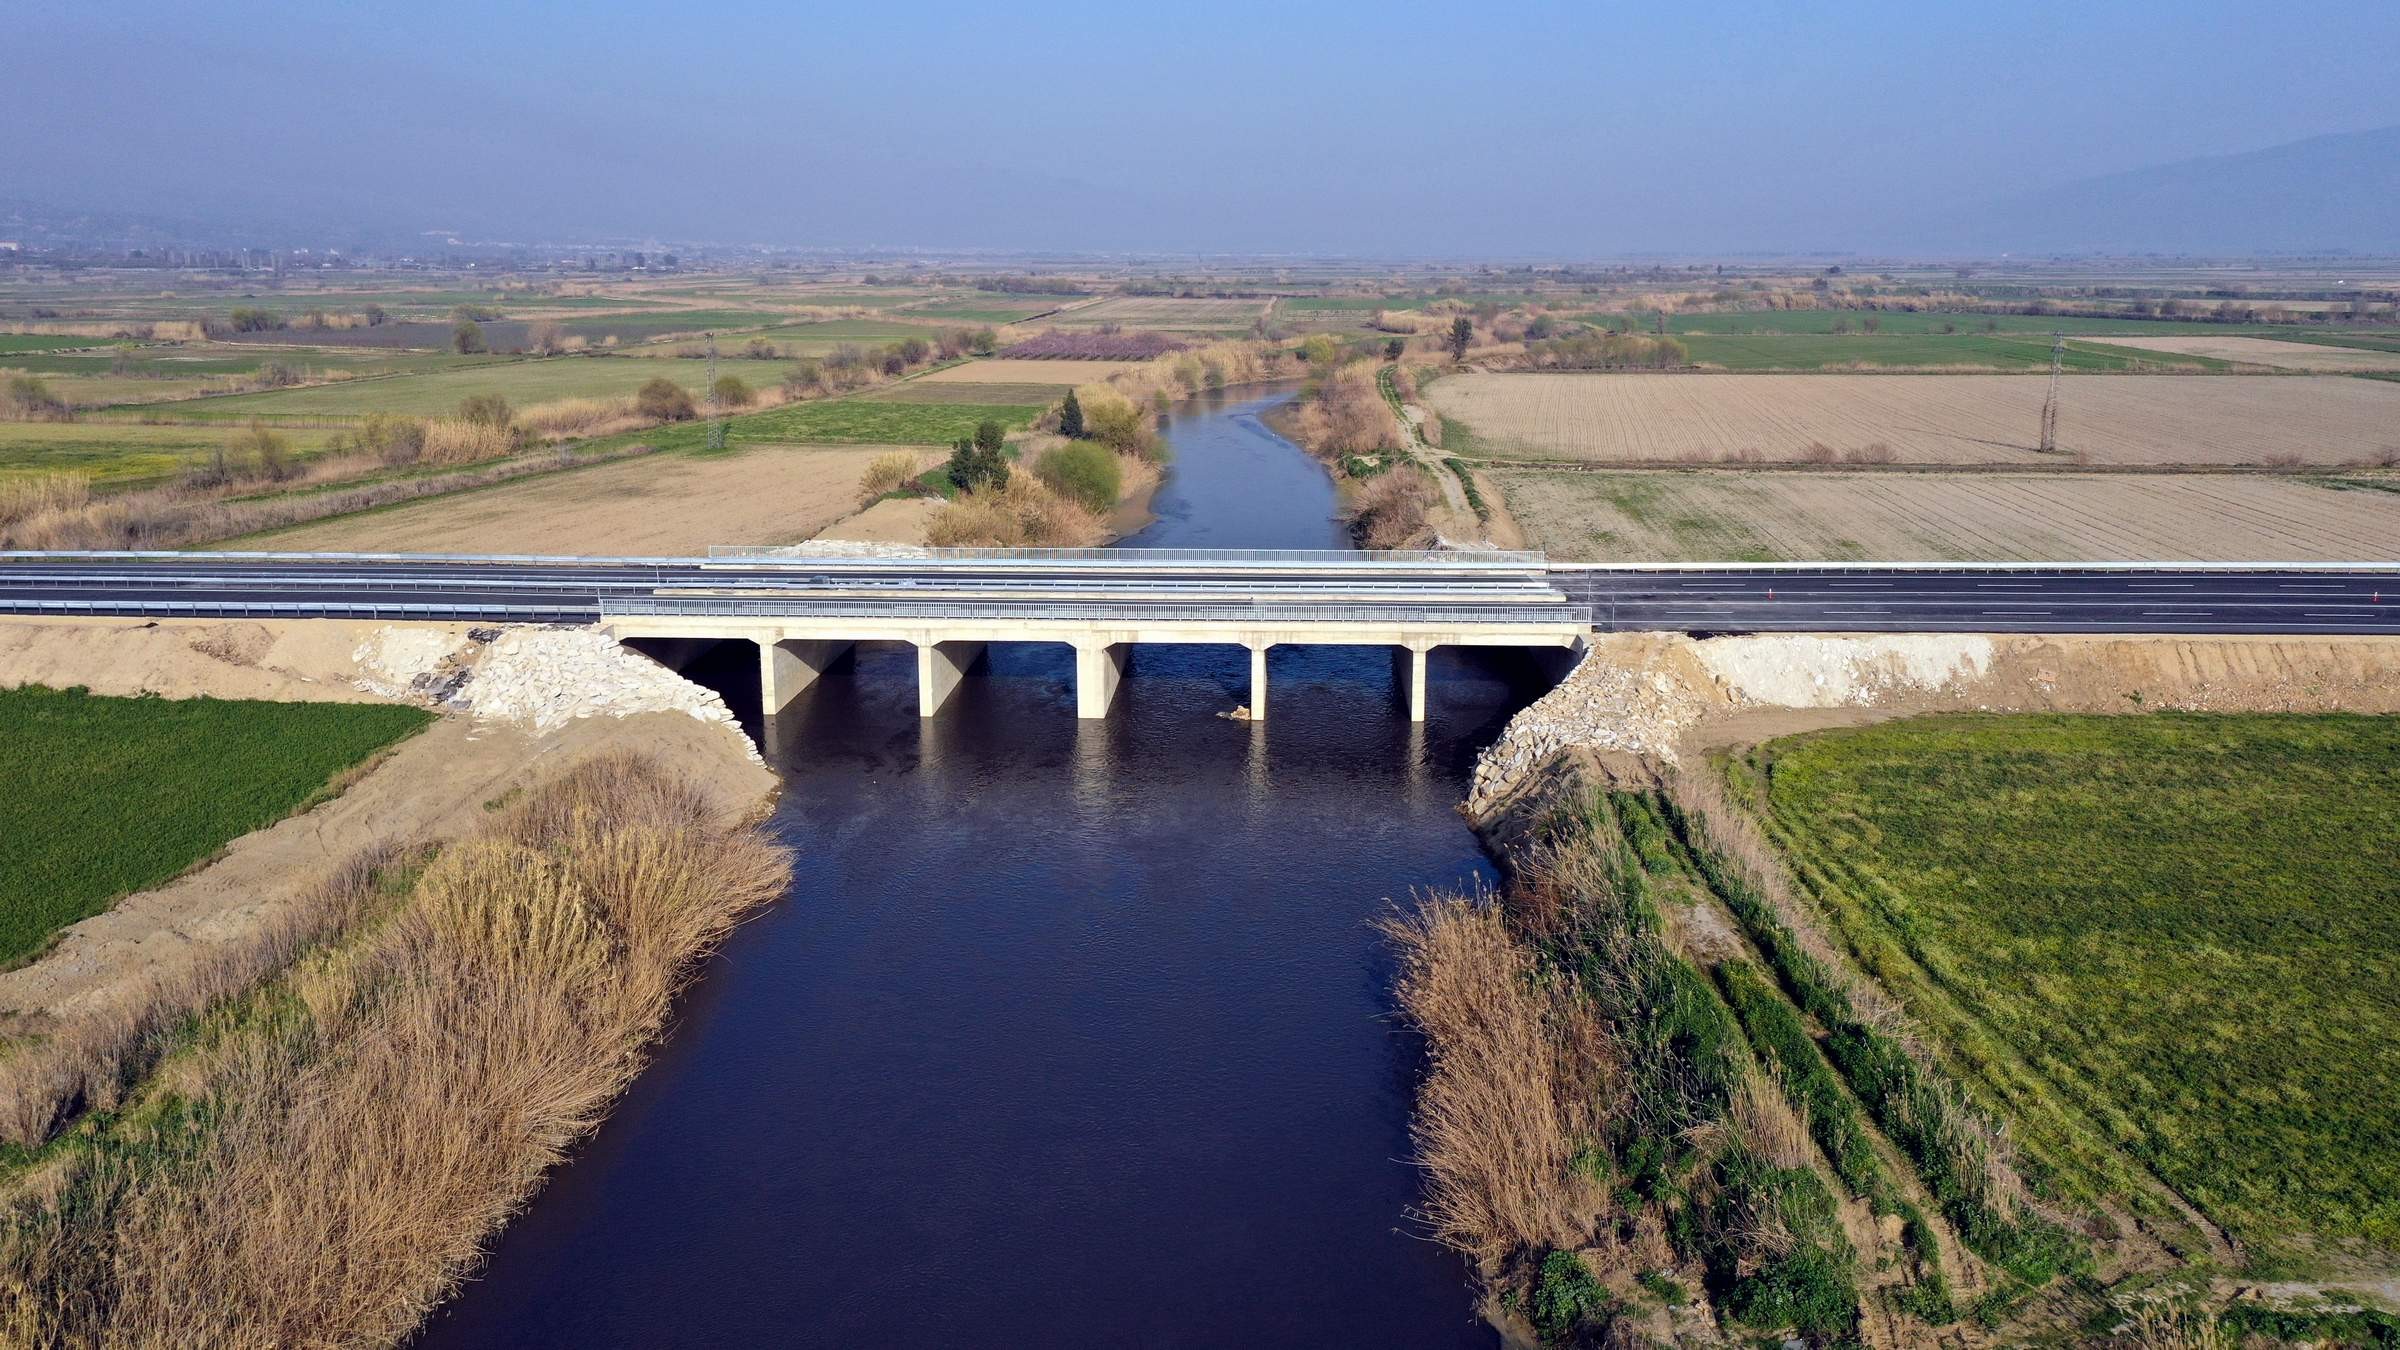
2064,598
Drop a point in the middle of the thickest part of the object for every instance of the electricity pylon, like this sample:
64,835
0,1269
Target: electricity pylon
2058,354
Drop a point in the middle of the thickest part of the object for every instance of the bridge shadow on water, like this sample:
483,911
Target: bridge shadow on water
1069,1032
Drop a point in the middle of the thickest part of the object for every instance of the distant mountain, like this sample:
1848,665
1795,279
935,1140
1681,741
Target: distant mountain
2325,194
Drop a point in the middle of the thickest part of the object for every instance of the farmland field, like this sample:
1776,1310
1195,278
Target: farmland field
1896,321
522,383
1729,516
114,455
858,421
922,390
1927,419
1806,351
2267,352
108,796
661,504
2176,928
1005,371
1163,312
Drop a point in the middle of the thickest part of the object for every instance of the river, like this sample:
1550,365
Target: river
1068,1033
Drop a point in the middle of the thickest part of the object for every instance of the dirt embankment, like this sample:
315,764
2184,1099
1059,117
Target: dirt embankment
1639,701
523,705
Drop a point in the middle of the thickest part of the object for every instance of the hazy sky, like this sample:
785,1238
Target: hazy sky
1570,129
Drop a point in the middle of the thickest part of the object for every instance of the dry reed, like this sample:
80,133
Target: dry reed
357,1130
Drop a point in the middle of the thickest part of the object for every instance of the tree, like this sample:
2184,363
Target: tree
989,437
662,400
489,410
1321,350
1070,417
1395,349
972,467
467,338
546,337
375,316
1462,335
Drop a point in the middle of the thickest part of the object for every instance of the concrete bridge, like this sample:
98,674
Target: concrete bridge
804,609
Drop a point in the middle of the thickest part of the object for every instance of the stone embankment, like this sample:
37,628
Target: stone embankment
1641,702
537,678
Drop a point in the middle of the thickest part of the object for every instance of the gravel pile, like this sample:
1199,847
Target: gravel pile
537,678
1617,698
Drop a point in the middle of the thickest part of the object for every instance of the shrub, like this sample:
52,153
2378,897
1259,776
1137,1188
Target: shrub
1388,510
489,410
393,439
971,467
261,453
1567,1298
546,337
730,391
30,399
1085,472
251,319
276,375
466,338
1019,513
662,400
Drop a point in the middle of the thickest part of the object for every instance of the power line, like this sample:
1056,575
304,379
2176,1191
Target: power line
2058,354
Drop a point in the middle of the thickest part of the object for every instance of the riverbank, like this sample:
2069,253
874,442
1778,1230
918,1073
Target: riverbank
286,1097
1777,1149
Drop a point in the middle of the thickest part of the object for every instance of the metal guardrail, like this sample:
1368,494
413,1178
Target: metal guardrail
1974,568
268,609
1151,557
734,607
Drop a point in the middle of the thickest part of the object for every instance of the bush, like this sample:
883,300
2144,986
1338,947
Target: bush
1568,1299
972,466
886,474
393,439
467,338
1085,472
489,410
250,319
260,453
662,400
30,399
730,391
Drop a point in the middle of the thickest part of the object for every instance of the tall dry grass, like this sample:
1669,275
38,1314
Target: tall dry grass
581,417
35,494
1522,1082
888,472
1390,509
1347,415
357,1130
1026,513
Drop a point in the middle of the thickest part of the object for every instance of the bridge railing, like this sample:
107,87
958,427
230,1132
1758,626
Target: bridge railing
1140,557
1545,615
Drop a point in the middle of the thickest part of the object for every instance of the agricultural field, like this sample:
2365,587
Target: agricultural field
522,383
1982,351
858,421
2160,937
1920,419
2253,351
1004,370
11,343
664,504
1167,313
1887,322
109,796
925,390
122,455
989,307
1729,516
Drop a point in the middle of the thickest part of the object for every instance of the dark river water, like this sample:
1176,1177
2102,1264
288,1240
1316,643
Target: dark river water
1069,1033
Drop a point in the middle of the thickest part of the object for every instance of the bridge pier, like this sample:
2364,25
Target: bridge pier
1258,680
1099,669
940,667
788,666
1408,672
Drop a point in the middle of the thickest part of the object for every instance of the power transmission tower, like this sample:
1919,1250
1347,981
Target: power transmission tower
2058,355
716,412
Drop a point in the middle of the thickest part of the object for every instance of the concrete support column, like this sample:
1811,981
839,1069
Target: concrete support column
1258,680
1099,668
787,667
1408,671
940,666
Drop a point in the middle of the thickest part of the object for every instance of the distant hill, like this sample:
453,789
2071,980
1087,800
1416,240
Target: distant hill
2325,194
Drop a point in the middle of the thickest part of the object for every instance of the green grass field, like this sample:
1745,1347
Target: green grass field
925,391
857,421
522,383
1835,351
107,796
45,342
115,455
2173,934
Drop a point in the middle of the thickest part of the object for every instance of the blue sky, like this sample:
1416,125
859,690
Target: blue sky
1399,128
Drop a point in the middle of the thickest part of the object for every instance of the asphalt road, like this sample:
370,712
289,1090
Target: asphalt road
1857,598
